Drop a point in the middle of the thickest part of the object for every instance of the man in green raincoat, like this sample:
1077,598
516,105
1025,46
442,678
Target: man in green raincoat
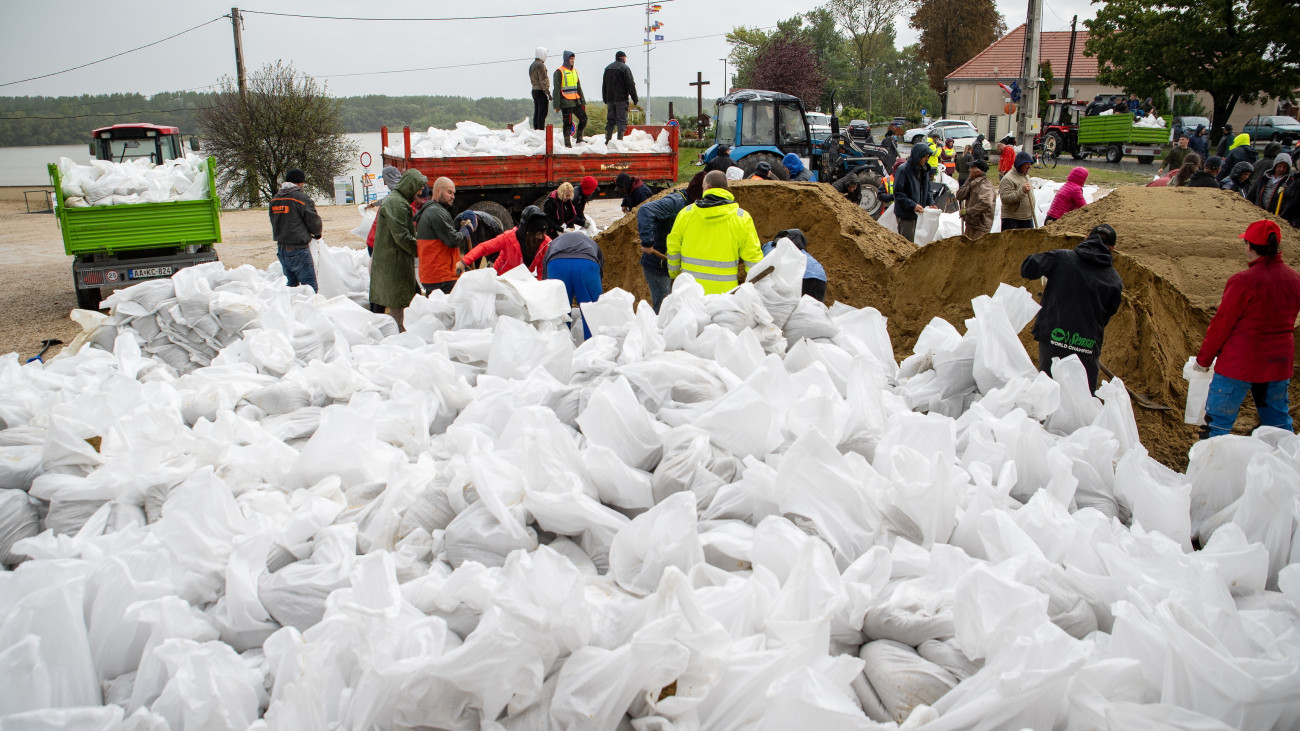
392,271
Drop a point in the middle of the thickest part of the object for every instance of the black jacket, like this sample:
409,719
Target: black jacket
842,187
575,245
912,184
1202,179
618,84
636,191
654,221
1245,153
1082,294
560,214
294,221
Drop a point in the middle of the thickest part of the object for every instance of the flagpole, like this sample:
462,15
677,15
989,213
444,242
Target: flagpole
648,115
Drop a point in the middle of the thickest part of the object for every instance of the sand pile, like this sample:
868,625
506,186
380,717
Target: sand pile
840,235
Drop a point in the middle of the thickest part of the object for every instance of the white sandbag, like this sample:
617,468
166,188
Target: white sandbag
947,655
19,519
661,537
927,226
782,280
1159,498
999,356
903,679
615,420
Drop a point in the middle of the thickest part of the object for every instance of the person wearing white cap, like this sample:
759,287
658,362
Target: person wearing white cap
541,87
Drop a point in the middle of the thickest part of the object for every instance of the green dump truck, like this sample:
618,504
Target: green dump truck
119,245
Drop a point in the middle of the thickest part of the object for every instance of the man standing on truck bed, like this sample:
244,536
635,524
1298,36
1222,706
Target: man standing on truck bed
294,223
615,89
569,99
541,92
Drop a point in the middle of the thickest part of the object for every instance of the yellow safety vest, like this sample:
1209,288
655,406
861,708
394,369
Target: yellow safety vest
569,83
710,239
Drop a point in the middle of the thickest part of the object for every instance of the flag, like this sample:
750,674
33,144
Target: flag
656,8
646,42
659,38
1004,88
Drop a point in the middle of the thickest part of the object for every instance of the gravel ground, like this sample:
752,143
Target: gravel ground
36,292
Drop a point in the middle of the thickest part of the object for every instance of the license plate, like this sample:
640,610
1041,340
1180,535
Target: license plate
149,273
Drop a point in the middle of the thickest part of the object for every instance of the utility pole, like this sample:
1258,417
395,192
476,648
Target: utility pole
237,21
648,48
1029,73
699,85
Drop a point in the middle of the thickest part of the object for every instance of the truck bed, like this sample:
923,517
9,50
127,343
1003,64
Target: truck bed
542,171
1119,128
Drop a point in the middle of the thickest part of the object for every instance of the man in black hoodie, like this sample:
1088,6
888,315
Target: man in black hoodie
1082,294
615,88
912,193
294,223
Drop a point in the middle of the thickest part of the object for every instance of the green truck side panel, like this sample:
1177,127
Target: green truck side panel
1119,129
109,229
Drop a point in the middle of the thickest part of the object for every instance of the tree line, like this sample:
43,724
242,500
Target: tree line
67,120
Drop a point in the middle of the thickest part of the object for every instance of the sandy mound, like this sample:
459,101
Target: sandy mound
855,250
1188,236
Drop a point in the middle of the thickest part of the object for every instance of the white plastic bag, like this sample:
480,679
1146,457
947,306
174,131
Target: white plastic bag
663,536
1198,392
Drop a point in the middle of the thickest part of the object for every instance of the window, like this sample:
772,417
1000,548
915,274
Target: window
791,128
123,150
757,126
726,124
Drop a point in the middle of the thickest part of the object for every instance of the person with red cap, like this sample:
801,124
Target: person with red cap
564,207
1251,342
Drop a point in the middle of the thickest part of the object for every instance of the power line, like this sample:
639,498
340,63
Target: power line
467,17
115,55
108,114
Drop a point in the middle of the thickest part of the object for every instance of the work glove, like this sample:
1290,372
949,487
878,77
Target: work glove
1196,366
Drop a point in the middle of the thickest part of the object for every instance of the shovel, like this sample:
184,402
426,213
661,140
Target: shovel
1143,400
47,344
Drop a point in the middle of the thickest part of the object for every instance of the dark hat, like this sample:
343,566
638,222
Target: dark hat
1105,233
1227,127
425,192
532,220
1213,162
296,176
980,164
763,168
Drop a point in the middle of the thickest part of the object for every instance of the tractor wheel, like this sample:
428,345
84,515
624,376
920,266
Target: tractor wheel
1114,154
497,211
870,201
751,161
1052,144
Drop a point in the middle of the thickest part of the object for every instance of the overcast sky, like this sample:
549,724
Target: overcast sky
52,35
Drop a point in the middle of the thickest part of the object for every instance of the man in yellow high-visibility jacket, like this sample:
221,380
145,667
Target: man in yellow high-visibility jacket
711,237
568,98
935,148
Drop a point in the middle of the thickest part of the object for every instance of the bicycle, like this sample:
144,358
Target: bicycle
1044,159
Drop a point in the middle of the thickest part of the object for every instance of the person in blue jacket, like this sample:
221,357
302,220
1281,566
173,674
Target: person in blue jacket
795,167
575,259
634,191
814,274
654,221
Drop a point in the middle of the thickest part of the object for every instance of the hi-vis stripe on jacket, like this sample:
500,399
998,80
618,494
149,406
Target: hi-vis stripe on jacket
710,238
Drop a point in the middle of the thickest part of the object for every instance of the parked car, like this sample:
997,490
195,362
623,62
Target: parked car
859,129
1186,123
916,135
1273,128
899,122
819,125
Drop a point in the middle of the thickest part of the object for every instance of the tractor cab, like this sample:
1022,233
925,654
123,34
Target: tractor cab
124,142
762,126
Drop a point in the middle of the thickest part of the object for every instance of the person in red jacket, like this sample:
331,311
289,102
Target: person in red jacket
1007,158
525,243
1252,337
1070,196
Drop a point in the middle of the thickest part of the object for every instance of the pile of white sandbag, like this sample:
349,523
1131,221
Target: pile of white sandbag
739,512
1150,121
107,183
471,139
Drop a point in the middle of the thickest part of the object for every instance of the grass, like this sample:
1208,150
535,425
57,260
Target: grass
686,168
1096,176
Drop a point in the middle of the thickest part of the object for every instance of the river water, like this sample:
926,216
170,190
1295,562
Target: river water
26,165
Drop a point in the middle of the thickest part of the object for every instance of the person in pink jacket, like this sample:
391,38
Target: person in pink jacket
1070,196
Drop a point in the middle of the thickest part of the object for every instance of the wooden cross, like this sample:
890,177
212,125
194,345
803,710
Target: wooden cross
699,85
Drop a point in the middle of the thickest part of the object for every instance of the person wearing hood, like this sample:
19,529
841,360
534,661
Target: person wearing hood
1083,292
795,167
1069,196
1239,179
1207,177
936,159
569,100
439,241
977,150
711,237
565,208
1265,162
1224,141
524,244
1269,189
814,274
1200,142
912,192
763,171
1250,342
575,259
848,186
1017,195
1240,151
617,86
392,270
391,176
294,223
977,194
635,192
541,89
654,221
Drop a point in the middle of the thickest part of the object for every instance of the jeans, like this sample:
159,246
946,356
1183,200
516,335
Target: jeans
616,121
581,279
539,109
1010,223
659,282
1047,351
569,113
1226,395
907,228
298,267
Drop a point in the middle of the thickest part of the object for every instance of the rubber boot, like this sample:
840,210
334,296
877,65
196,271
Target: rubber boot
567,143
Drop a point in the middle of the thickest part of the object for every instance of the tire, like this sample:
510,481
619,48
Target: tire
88,299
1114,154
1145,159
751,161
918,138
497,211
1049,159
1079,155
1052,144
870,202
